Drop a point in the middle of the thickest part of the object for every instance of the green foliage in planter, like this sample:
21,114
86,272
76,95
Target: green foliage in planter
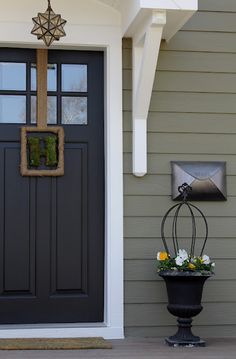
34,151
51,151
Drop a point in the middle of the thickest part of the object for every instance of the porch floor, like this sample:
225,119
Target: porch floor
133,348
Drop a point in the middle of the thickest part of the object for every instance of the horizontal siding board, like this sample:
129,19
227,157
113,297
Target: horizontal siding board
127,59
126,43
127,100
146,248
150,227
127,163
145,270
188,82
217,5
141,270
148,185
156,314
151,206
187,102
196,61
201,41
127,79
145,292
193,102
155,292
189,61
160,163
193,82
211,21
127,121
174,143
147,314
189,123
207,331
160,185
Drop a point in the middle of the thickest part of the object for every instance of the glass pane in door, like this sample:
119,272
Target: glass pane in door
52,77
12,109
74,110
12,76
74,78
52,110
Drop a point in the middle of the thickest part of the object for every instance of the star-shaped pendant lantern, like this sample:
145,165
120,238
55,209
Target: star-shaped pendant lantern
48,26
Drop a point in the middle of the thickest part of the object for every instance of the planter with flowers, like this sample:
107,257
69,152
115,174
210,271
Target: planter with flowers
184,273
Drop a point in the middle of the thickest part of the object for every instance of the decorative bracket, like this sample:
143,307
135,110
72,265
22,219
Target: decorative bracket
146,46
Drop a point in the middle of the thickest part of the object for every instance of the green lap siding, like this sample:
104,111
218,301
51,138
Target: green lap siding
192,117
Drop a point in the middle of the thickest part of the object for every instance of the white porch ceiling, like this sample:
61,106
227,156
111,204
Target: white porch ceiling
135,11
113,3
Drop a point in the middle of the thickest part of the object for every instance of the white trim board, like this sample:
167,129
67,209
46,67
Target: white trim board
109,39
46,331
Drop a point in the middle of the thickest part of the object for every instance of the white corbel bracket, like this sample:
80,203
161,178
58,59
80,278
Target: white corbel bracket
146,46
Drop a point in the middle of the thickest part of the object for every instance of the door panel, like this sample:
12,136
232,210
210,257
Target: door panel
69,270
52,229
17,260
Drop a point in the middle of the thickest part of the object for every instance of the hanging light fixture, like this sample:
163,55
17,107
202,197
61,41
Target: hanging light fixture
48,26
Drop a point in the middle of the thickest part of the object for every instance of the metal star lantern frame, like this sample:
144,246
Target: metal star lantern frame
48,26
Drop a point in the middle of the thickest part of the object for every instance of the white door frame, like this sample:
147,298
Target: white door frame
108,39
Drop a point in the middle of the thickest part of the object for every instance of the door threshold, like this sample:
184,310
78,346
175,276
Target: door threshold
61,330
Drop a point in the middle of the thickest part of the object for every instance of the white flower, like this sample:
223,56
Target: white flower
179,261
213,265
206,259
182,254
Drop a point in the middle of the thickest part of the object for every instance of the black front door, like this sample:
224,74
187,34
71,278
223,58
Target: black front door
52,229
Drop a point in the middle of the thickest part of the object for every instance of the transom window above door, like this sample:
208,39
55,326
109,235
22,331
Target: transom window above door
67,93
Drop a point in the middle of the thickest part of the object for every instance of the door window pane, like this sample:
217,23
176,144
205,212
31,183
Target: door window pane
12,109
74,110
52,77
52,110
12,76
74,78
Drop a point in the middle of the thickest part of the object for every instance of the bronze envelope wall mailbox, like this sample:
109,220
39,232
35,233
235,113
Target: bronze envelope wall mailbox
207,179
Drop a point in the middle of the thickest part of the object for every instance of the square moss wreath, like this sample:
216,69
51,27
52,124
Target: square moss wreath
25,167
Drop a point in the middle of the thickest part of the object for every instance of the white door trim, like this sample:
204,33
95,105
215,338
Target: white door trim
108,39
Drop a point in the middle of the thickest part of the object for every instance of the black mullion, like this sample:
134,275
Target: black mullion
74,94
13,92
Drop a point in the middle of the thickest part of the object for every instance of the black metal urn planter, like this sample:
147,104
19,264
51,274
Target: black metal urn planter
184,272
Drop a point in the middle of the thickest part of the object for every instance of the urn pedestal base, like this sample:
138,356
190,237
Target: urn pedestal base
172,343
184,335
184,291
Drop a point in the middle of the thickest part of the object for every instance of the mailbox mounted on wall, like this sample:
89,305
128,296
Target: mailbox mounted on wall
207,179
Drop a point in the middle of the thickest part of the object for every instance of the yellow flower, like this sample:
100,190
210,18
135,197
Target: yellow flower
191,266
161,256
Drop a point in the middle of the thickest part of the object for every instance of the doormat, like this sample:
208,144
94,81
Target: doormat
54,344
